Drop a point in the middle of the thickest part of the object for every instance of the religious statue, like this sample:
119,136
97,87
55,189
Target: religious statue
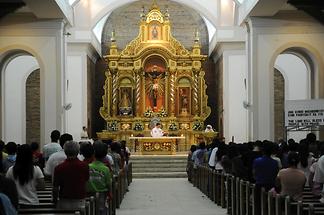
184,99
125,101
154,33
125,105
155,85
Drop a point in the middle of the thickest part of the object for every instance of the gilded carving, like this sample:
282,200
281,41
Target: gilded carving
165,81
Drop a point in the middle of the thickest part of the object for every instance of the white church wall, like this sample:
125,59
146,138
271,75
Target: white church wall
14,97
270,37
76,94
234,95
297,83
44,40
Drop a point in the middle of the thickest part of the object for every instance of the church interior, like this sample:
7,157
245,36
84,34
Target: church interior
220,101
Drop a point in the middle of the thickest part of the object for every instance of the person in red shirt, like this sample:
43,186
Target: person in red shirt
70,178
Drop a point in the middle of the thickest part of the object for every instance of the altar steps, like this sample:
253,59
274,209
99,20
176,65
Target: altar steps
159,166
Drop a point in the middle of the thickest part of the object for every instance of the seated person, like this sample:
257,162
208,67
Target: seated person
157,131
292,180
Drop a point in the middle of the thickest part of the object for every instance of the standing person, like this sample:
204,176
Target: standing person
28,178
53,146
157,131
292,180
58,157
100,177
70,178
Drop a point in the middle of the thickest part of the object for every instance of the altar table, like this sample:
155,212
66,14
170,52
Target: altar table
157,145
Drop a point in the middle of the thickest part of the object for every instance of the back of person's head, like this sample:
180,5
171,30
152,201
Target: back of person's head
11,148
24,167
267,147
311,137
202,145
64,138
108,142
123,144
86,149
71,149
55,136
232,150
293,146
34,146
257,145
116,147
193,148
293,159
100,149
215,142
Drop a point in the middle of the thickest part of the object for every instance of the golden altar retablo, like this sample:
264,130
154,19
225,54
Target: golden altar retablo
154,78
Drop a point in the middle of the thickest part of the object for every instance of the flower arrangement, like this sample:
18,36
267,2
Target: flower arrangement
197,126
112,126
148,113
173,126
162,113
138,126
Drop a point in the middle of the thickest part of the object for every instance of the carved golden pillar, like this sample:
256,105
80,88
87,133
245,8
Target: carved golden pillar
172,92
114,93
202,90
167,89
109,91
138,91
142,75
195,93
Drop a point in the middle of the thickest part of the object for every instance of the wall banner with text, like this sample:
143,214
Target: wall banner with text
304,112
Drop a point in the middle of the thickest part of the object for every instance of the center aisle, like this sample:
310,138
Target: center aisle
167,196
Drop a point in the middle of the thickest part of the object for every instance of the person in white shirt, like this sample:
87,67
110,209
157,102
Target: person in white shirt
53,146
27,177
58,157
157,131
84,133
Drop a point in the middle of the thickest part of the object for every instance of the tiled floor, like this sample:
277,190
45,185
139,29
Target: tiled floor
171,196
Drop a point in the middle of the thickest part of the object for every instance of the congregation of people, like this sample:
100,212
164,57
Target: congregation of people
284,168
76,170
